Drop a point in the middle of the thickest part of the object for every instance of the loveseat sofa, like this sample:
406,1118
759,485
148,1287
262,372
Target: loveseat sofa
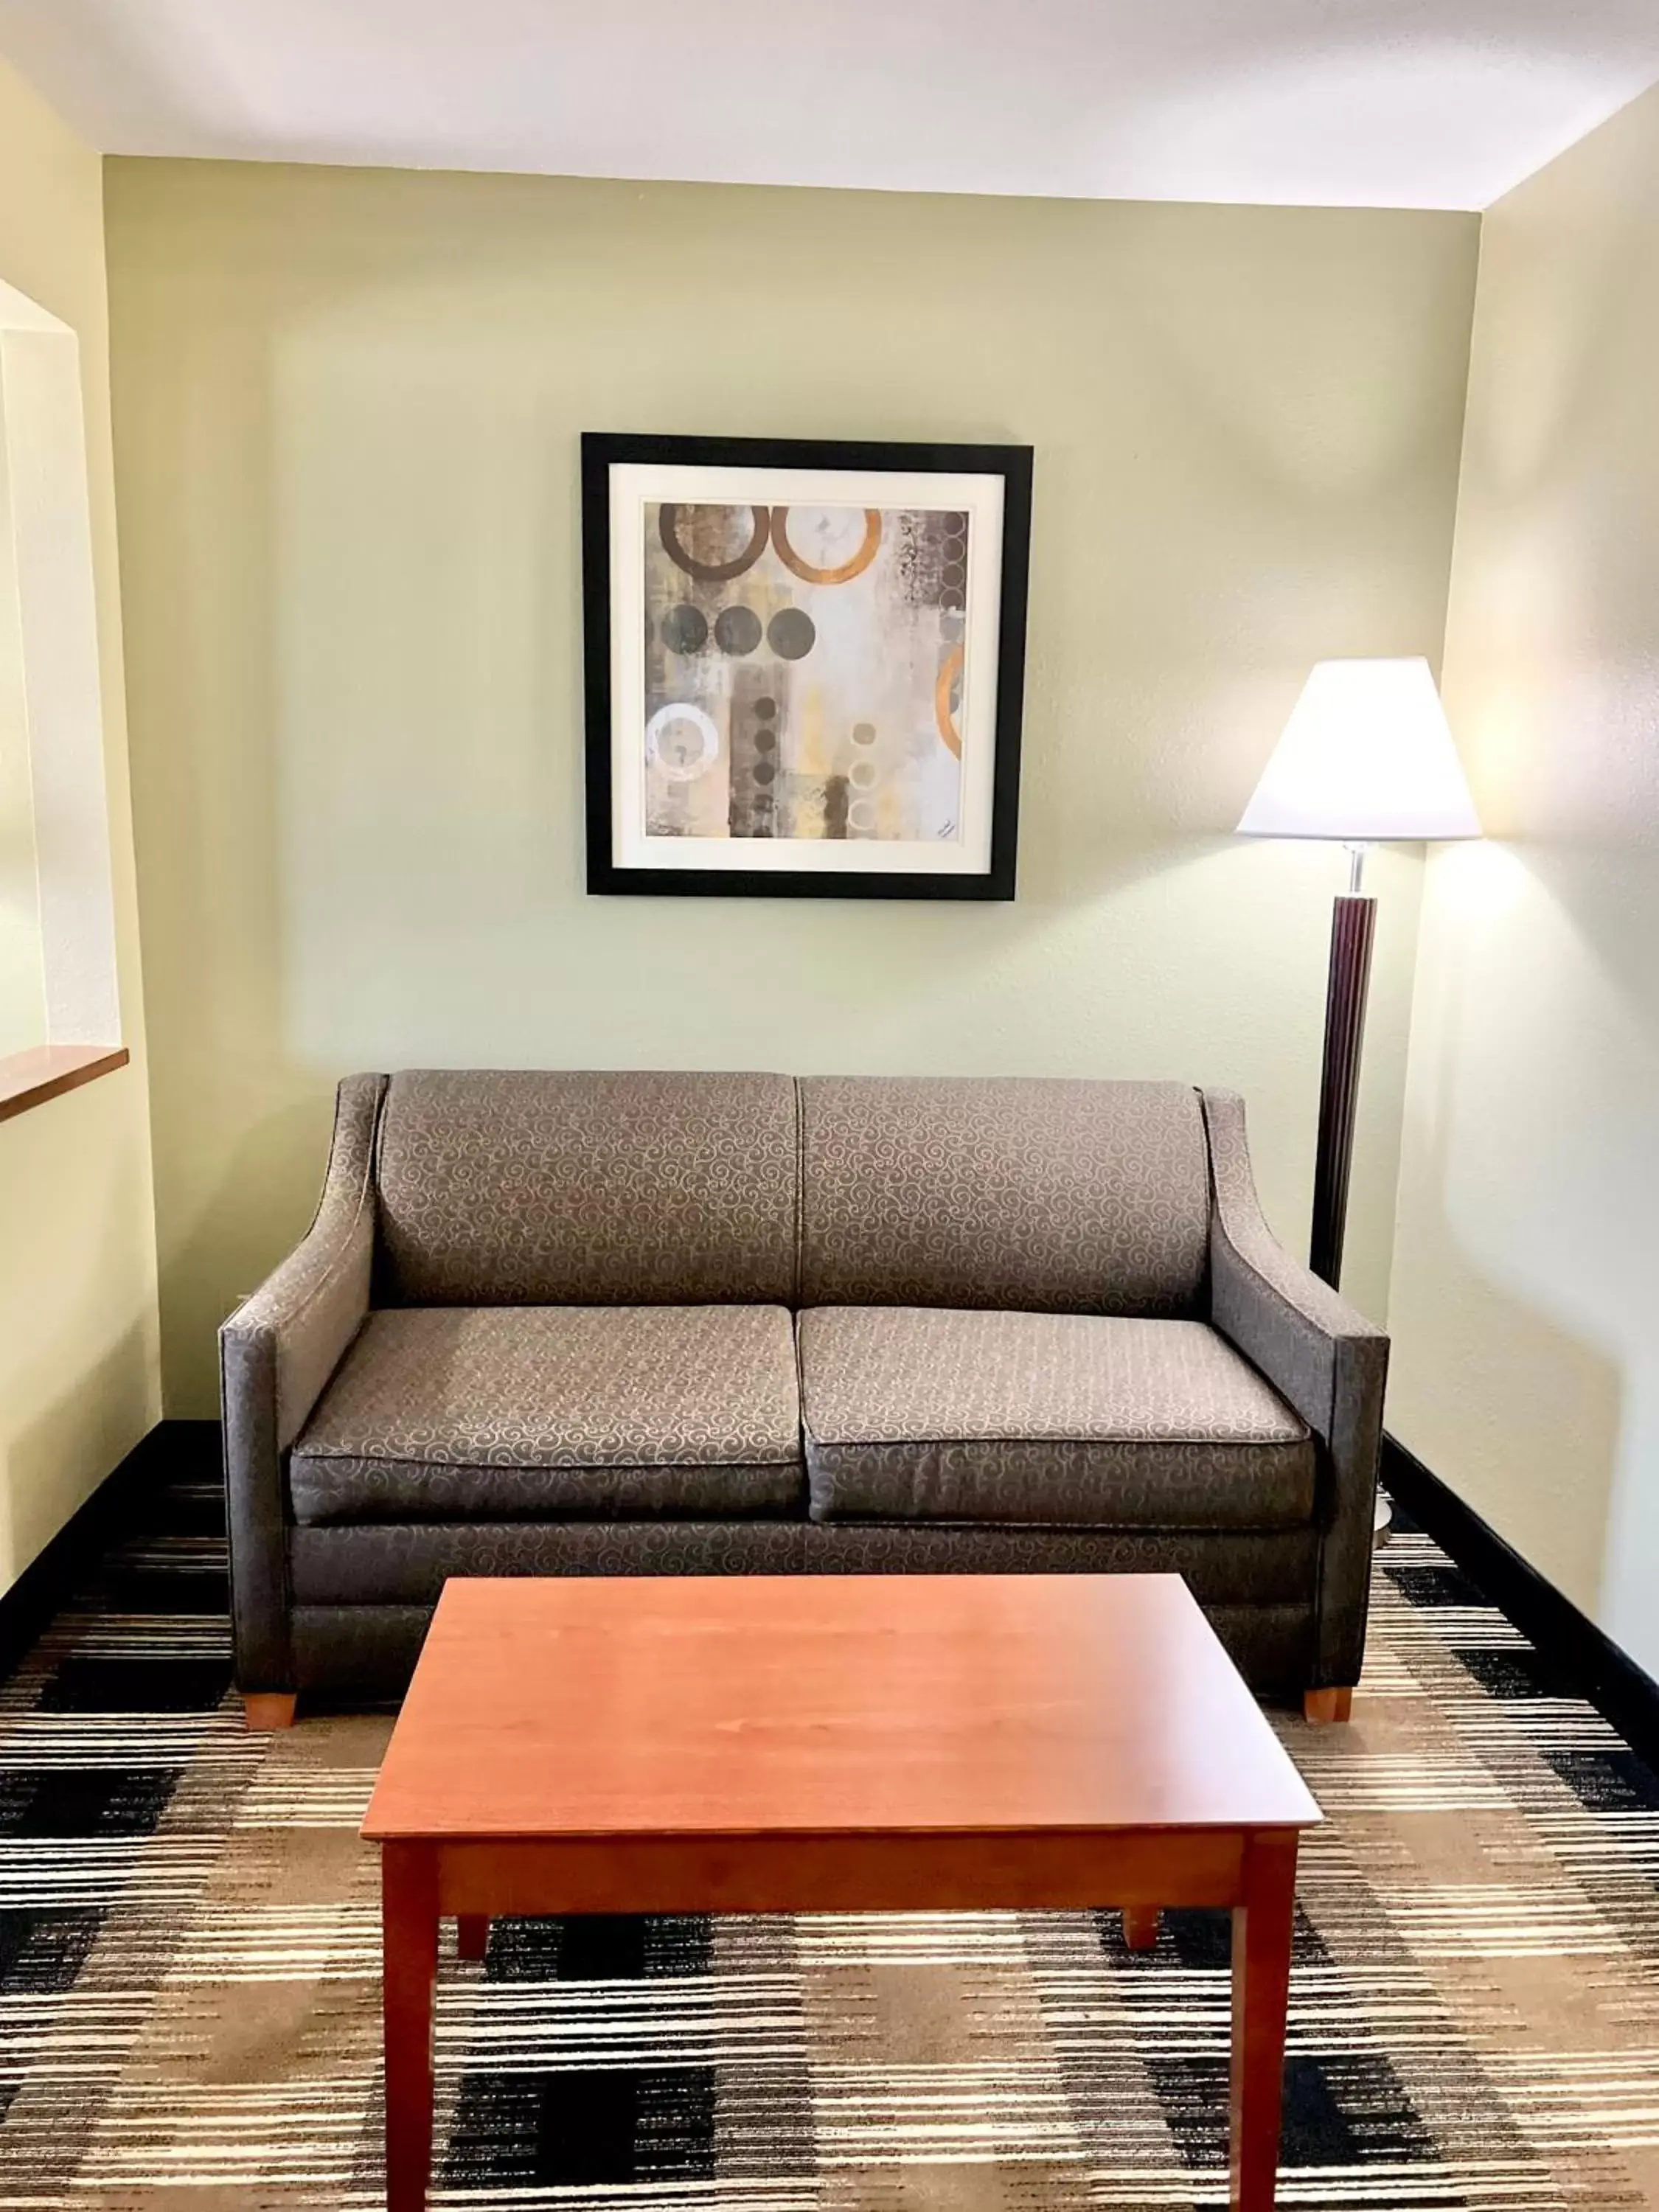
553,1323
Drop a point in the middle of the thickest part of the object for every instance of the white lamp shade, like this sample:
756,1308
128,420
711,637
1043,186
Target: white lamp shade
1366,756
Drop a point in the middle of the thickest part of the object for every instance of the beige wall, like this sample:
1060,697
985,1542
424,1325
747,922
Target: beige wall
347,408
79,1381
1526,1284
23,966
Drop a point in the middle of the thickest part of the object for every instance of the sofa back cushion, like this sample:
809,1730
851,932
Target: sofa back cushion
1037,1196
576,1190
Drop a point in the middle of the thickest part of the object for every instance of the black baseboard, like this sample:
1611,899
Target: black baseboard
171,1449
1589,1660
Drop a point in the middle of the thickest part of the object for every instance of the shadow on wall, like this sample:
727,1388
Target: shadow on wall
225,1252
1525,1297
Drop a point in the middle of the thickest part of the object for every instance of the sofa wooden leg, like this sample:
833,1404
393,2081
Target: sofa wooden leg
471,1935
269,1709
1327,1704
1140,1927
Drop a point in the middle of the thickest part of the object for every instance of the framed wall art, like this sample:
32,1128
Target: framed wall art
804,663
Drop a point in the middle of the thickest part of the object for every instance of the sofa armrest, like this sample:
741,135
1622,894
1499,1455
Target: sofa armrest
1323,1355
277,1352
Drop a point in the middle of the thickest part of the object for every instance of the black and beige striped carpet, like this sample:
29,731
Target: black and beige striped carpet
189,1963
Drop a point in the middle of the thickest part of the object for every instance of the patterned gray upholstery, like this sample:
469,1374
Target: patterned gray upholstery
599,1189
539,1326
1084,1421
275,1354
1044,1196
603,1412
403,1563
1326,1357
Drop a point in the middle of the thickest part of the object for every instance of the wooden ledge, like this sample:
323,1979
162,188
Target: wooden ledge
29,1078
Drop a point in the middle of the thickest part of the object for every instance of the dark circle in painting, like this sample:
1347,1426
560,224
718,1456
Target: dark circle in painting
954,573
737,630
864,734
791,634
685,630
765,770
765,710
765,740
713,572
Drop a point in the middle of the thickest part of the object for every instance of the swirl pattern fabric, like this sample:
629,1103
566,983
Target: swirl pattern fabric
491,1229
1047,1197
309,1311
597,1412
407,1564
1075,1419
562,1189
275,1354
1329,1361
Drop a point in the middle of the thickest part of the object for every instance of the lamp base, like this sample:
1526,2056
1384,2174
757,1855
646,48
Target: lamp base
1353,928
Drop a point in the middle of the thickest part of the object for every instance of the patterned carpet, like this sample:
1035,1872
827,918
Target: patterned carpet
189,1954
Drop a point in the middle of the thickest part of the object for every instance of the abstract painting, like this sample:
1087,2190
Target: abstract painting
803,666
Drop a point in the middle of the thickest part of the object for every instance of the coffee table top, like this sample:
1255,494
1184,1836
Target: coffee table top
837,1704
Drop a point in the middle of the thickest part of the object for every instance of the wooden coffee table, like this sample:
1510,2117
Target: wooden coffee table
834,1744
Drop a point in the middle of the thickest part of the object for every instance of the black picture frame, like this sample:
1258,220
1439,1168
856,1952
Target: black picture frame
600,452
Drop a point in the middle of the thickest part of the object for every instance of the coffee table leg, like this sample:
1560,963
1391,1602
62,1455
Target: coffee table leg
1140,1927
471,1935
1261,1983
408,1921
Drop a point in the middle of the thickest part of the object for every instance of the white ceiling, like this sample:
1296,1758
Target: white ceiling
1396,103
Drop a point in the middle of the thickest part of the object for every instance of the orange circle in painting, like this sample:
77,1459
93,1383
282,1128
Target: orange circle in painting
712,572
947,676
808,575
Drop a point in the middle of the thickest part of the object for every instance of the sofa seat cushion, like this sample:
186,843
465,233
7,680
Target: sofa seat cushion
544,1412
1072,1419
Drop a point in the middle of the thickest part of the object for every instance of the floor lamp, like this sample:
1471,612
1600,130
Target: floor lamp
1366,759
